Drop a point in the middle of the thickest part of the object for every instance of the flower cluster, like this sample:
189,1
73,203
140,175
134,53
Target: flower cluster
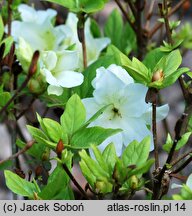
127,107
60,66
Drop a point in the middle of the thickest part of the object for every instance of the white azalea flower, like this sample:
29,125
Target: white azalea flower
93,45
29,14
58,69
36,29
127,108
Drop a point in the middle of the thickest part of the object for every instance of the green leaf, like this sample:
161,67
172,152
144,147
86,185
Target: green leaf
184,139
136,153
87,173
110,156
138,71
120,58
4,98
74,115
174,76
95,116
168,144
94,167
87,6
142,168
36,150
129,40
35,132
95,29
19,185
8,43
120,171
152,58
40,137
1,28
57,187
6,165
99,158
113,28
84,138
53,130
169,63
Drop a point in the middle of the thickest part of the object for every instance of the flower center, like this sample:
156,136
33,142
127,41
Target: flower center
115,113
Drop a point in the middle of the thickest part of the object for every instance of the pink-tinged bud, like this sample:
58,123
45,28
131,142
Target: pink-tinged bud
33,66
59,148
38,171
158,75
186,5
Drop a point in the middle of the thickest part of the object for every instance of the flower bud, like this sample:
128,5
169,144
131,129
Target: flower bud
33,65
46,154
186,5
37,85
38,171
133,182
103,187
59,148
158,75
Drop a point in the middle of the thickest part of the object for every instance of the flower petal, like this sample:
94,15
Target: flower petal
135,129
56,90
29,14
67,60
134,103
106,80
91,107
69,79
49,59
189,181
116,139
162,113
121,73
49,77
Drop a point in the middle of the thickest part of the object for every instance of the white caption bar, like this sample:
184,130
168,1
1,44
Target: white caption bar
95,207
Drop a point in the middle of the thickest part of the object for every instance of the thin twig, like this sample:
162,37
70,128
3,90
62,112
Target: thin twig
181,158
84,49
183,89
15,95
149,15
132,7
27,147
25,110
154,128
31,72
183,165
163,8
140,33
159,25
81,36
125,14
74,181
9,16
